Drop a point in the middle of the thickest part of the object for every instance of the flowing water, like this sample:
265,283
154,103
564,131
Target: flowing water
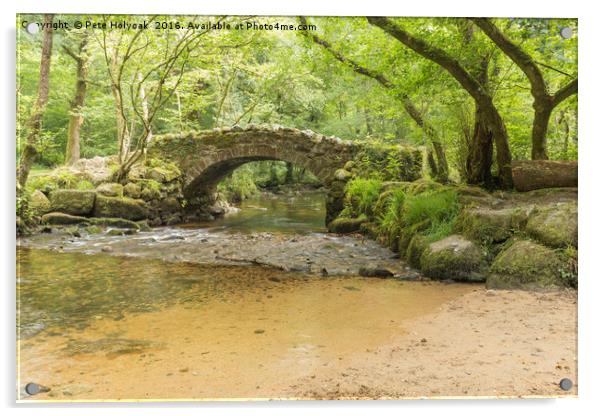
115,326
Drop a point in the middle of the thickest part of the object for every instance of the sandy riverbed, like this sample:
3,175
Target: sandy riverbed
465,341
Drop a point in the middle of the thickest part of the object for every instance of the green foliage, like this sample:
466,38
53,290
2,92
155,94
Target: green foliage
361,196
389,162
58,179
439,207
239,186
390,224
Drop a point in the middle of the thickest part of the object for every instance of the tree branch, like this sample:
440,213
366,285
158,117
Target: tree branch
565,92
521,58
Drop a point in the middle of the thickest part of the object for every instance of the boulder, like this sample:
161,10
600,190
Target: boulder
491,225
110,189
527,265
71,201
342,175
455,258
132,190
60,218
128,208
162,175
170,205
39,203
555,225
346,225
416,248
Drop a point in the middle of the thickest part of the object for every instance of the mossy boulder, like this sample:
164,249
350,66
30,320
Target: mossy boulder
346,225
342,175
39,204
418,244
369,229
132,190
555,225
162,174
527,265
72,201
491,225
171,205
128,208
454,257
407,233
60,218
110,189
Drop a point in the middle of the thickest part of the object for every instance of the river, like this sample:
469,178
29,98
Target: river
253,305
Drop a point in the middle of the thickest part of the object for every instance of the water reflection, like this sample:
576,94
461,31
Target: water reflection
69,290
292,213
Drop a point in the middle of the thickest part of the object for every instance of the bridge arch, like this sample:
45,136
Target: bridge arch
205,158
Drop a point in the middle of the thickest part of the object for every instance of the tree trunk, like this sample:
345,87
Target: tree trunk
145,120
123,134
29,151
537,174
480,153
539,141
76,118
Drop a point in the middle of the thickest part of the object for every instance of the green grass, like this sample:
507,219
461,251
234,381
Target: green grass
361,196
439,207
391,221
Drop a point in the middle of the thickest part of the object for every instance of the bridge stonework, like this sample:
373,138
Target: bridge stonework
205,158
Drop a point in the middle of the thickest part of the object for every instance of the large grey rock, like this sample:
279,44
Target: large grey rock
71,201
555,225
128,208
454,257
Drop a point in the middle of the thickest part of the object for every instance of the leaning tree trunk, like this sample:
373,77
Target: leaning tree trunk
537,174
29,152
76,118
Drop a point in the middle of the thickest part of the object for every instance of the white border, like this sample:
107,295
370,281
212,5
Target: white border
590,153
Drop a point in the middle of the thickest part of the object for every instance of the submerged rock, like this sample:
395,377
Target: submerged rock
114,222
527,265
455,258
128,208
555,225
375,271
72,201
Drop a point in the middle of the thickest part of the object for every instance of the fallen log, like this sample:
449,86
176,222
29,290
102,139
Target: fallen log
537,174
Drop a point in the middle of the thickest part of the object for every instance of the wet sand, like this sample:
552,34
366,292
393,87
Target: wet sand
331,338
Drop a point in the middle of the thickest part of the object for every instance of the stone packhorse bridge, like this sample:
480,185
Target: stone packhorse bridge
207,157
